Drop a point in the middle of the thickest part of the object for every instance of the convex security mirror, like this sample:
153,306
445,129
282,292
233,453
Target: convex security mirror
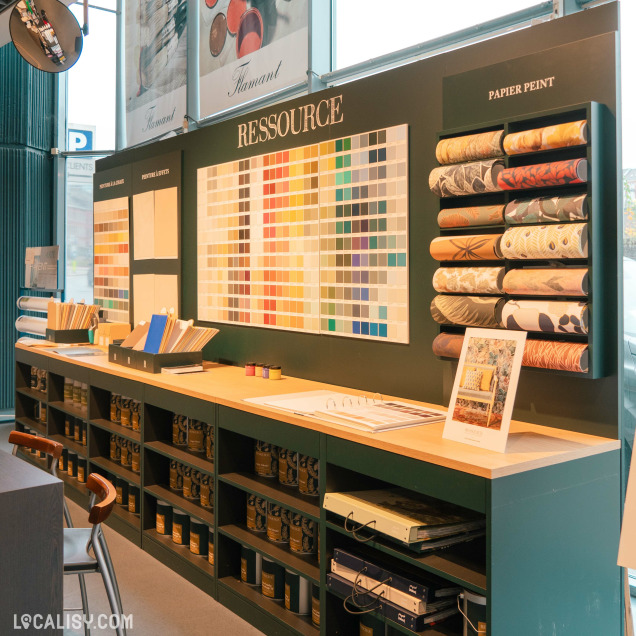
46,34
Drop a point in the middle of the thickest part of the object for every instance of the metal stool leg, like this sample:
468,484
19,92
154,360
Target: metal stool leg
67,516
108,584
111,569
82,586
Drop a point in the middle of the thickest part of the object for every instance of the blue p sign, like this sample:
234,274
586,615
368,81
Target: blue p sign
80,139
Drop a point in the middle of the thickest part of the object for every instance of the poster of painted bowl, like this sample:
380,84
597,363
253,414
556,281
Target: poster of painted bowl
485,387
250,48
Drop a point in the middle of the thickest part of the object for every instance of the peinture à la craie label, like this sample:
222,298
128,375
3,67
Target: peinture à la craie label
518,89
297,120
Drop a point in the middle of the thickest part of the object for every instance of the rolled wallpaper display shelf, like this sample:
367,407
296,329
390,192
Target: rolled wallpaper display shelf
547,272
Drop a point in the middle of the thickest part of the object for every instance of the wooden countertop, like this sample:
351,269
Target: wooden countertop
529,446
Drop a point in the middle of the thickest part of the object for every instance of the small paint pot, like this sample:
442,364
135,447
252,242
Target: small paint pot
43,413
34,378
68,388
235,10
62,462
250,368
209,441
287,467
211,546
69,427
42,380
77,393
84,396
135,419
179,430
176,478
315,604
266,459
205,496
308,475
115,408
275,372
125,412
258,370
84,433
136,458
196,436
251,566
266,371
121,488
77,431
256,513
126,453
198,537
218,34
180,527
302,534
71,467
134,505
81,469
186,471
249,37
297,593
277,523
371,626
163,522
273,580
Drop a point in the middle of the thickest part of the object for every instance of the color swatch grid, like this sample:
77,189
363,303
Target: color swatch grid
312,239
111,281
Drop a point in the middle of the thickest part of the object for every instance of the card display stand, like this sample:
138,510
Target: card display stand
151,362
67,336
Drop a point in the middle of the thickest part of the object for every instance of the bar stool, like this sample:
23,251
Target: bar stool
79,541
54,450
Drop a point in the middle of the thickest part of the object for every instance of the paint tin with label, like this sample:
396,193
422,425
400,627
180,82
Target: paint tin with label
71,468
211,546
196,436
136,458
126,452
84,433
198,537
251,566
68,389
474,609
125,412
115,449
266,459
277,523
176,478
209,441
287,467
81,469
371,626
297,593
135,418
69,427
205,496
43,413
121,488
34,378
42,380
191,483
273,580
308,475
180,527
115,404
84,396
77,394
302,534
315,604
179,430
134,505
77,431
164,518
256,513
62,462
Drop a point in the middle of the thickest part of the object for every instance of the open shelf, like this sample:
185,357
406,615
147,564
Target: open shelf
32,393
200,562
302,624
118,429
71,444
69,409
192,508
126,516
72,482
32,423
456,564
272,490
305,565
117,469
196,460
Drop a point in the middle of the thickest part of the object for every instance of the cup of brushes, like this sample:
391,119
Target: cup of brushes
163,342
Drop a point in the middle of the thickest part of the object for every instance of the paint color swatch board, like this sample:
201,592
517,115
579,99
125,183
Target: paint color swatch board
112,258
313,239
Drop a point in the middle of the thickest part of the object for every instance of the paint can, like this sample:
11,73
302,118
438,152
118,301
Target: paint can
251,566
474,609
198,537
256,513
125,414
287,467
176,478
71,468
134,505
196,436
81,469
275,372
308,475
273,580
163,521
250,368
315,604
205,497
277,523
266,459
302,534
180,527
121,488
211,546
297,593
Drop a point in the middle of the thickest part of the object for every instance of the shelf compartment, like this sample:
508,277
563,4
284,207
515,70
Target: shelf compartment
305,565
182,551
127,517
196,460
40,396
272,490
193,509
31,423
302,624
456,564
71,444
117,469
118,429
67,408
73,483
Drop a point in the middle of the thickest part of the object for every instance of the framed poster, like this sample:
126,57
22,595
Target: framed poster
485,386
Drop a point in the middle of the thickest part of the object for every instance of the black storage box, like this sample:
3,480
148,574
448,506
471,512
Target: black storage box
67,336
151,362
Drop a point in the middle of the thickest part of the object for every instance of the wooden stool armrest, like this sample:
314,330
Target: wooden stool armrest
42,444
106,493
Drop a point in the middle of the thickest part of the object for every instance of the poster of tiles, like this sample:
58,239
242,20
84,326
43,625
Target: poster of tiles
312,239
112,260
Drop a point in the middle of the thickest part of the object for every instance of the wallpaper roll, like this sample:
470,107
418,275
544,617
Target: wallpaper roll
472,311
466,178
469,280
470,147
550,316
544,209
470,247
562,281
476,215
31,324
545,241
448,345
573,133
33,303
542,354
542,175
561,356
